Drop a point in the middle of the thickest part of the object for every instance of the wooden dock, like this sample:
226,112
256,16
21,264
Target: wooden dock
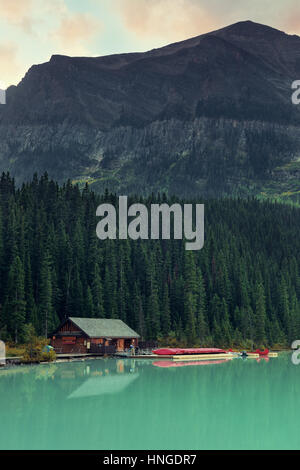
202,357
77,355
13,360
116,355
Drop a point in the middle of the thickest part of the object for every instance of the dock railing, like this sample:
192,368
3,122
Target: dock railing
146,347
101,349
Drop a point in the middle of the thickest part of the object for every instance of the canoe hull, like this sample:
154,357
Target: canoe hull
262,353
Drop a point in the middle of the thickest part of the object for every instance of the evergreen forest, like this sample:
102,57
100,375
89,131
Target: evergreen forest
242,289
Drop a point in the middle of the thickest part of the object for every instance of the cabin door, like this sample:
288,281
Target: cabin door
120,345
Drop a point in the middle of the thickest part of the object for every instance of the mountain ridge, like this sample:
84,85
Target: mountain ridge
106,119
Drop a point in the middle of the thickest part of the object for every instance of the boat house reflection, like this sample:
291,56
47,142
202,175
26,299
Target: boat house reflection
111,379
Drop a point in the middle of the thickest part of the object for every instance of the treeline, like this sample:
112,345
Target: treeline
242,288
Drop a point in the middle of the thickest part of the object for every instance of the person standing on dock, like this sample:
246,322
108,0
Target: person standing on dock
132,349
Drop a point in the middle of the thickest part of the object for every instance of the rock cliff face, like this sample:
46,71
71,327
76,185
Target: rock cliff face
210,115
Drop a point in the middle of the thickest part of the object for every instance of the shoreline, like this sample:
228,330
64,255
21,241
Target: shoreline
17,361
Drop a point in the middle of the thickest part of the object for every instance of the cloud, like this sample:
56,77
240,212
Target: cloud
32,30
14,10
173,20
9,64
17,12
292,21
167,19
74,32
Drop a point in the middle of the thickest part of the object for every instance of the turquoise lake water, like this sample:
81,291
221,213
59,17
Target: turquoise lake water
135,404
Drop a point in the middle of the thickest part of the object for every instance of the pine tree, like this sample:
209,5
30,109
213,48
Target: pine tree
89,306
31,308
45,306
97,294
153,314
190,297
166,313
284,309
260,313
15,304
190,329
202,330
138,316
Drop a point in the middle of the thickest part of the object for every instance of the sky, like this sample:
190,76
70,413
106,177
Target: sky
32,30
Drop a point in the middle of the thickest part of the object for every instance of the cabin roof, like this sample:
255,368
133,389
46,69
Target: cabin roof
104,328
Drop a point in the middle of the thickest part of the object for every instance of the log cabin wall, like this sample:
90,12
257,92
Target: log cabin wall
78,344
69,327
63,345
97,340
69,344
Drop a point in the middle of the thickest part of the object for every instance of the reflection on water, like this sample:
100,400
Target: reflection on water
162,363
139,404
108,381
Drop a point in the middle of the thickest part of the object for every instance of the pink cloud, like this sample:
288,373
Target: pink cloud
9,64
74,31
168,19
17,12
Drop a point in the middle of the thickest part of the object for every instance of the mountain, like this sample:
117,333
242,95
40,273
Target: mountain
210,115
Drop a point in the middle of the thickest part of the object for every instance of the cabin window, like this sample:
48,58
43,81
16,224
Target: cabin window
69,339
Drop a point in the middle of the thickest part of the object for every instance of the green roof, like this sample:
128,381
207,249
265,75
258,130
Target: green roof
104,328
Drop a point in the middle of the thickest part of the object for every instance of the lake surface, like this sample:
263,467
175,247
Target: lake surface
136,404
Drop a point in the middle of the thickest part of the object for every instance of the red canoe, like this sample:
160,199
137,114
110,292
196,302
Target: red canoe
262,353
176,351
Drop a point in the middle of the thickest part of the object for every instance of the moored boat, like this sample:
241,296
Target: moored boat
262,353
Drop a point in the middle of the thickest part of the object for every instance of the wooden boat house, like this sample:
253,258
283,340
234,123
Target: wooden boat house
92,335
